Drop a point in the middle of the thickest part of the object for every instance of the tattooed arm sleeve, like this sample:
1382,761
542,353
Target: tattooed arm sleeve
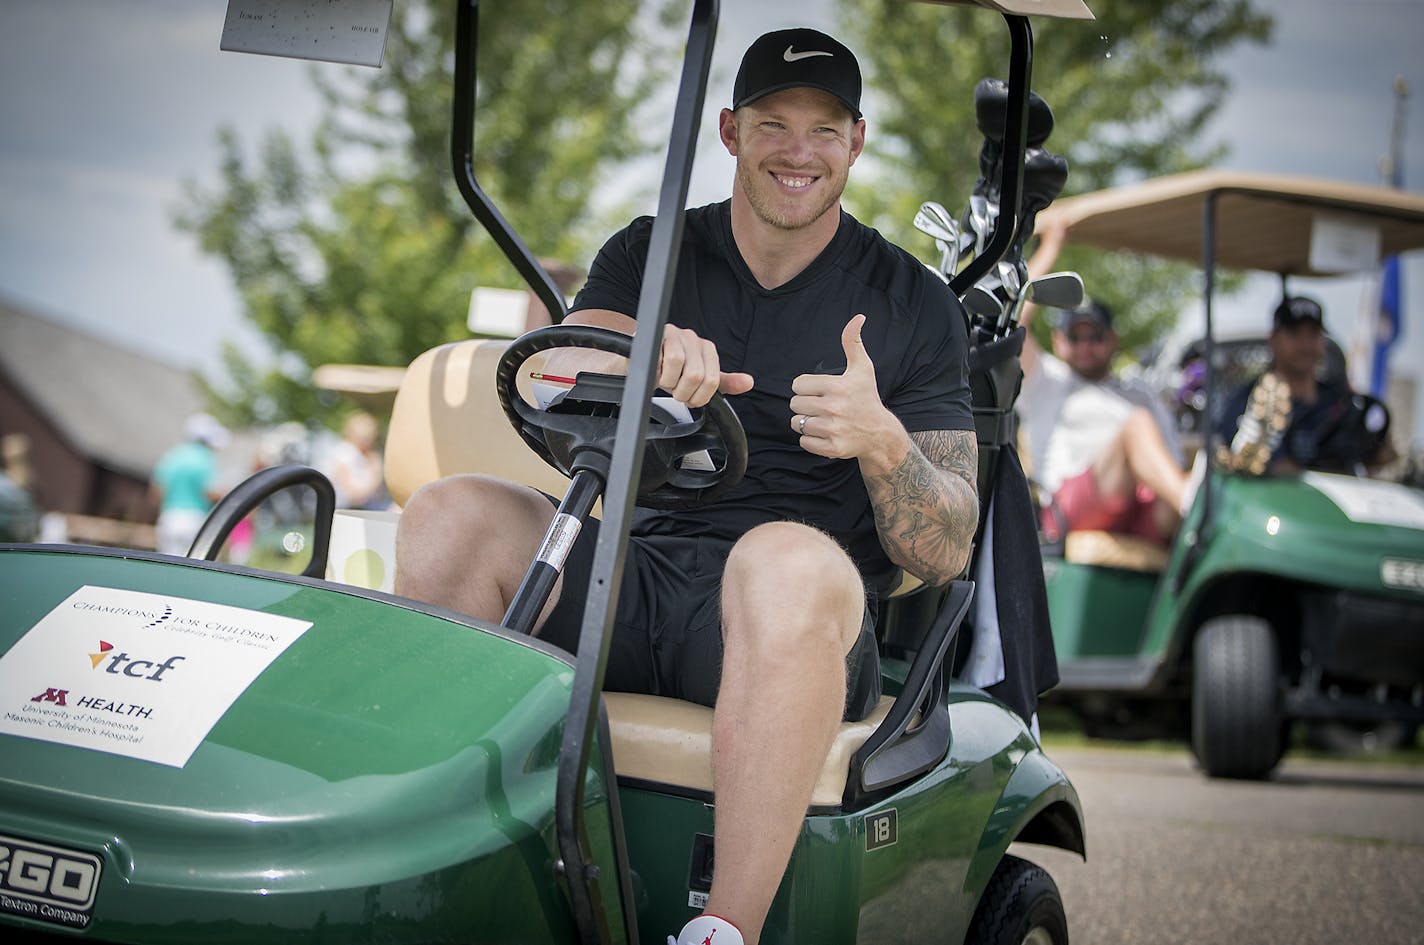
927,507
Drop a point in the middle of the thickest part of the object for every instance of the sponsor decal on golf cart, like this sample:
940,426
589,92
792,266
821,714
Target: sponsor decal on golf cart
135,674
1371,501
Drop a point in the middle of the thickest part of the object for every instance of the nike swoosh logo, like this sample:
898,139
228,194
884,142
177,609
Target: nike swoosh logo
791,56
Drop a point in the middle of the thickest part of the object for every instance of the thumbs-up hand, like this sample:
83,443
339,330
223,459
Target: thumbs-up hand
840,415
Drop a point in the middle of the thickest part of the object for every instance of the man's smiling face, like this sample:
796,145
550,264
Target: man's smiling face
794,149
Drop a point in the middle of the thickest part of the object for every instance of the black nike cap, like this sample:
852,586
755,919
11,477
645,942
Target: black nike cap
788,59
1297,310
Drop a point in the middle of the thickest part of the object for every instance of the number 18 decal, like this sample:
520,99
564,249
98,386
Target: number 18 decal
881,829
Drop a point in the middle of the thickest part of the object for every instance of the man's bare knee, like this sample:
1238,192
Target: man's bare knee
795,571
452,510
1141,425
1114,467
458,525
791,558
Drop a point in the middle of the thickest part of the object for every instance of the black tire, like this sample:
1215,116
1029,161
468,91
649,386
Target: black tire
1020,906
1236,698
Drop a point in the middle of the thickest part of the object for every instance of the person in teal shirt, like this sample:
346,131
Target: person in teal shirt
184,483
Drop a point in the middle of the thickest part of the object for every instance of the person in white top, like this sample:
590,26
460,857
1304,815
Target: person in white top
1103,449
354,465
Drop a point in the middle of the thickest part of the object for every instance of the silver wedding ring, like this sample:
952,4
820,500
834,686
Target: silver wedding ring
801,427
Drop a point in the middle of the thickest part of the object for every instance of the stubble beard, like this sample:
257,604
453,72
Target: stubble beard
769,209
1094,370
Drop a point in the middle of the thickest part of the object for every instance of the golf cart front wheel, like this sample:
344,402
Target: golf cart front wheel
1236,698
1020,906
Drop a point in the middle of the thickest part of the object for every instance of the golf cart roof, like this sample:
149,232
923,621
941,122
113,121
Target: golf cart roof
1264,221
1063,9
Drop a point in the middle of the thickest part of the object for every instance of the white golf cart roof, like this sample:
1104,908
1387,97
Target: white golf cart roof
1263,221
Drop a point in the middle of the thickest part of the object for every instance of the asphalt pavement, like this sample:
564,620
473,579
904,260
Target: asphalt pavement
1328,852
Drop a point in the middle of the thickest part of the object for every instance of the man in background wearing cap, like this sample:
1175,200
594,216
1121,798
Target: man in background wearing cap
1103,448
845,360
1294,433
183,483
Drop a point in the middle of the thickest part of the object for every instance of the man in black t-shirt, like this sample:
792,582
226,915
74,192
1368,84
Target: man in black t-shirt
1290,418
845,360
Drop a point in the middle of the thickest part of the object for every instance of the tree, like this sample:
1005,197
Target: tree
1131,93
364,252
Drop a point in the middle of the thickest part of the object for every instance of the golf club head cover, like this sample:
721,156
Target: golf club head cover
991,110
1045,173
1044,176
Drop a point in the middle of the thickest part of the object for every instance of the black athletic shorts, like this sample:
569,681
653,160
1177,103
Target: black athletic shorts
667,637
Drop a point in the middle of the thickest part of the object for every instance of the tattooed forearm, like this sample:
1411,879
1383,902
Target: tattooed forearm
926,509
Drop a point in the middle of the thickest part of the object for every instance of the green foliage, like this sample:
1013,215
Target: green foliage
1131,93
359,249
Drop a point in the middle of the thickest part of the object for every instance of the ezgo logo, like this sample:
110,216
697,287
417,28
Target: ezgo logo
47,883
116,663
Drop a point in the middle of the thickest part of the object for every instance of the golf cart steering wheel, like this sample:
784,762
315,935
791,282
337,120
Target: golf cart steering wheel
577,430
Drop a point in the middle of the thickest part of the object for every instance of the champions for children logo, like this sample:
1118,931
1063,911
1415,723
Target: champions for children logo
147,617
136,674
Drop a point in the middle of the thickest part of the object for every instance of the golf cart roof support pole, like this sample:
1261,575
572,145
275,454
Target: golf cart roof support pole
1196,539
1006,225
622,490
1209,315
462,144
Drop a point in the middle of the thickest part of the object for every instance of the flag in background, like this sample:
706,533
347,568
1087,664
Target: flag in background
1390,318
1387,325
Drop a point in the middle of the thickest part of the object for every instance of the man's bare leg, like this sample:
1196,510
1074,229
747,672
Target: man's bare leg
792,602
1139,454
464,542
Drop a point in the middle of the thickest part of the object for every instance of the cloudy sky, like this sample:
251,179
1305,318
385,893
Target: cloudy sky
108,107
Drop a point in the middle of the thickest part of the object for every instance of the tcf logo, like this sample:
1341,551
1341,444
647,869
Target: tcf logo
116,663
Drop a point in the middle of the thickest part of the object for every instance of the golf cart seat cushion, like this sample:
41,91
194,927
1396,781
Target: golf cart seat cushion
668,741
447,419
1111,550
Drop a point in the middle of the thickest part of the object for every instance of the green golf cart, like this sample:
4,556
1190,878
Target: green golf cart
260,757
1283,597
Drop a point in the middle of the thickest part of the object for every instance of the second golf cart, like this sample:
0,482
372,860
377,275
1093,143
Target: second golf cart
1284,597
